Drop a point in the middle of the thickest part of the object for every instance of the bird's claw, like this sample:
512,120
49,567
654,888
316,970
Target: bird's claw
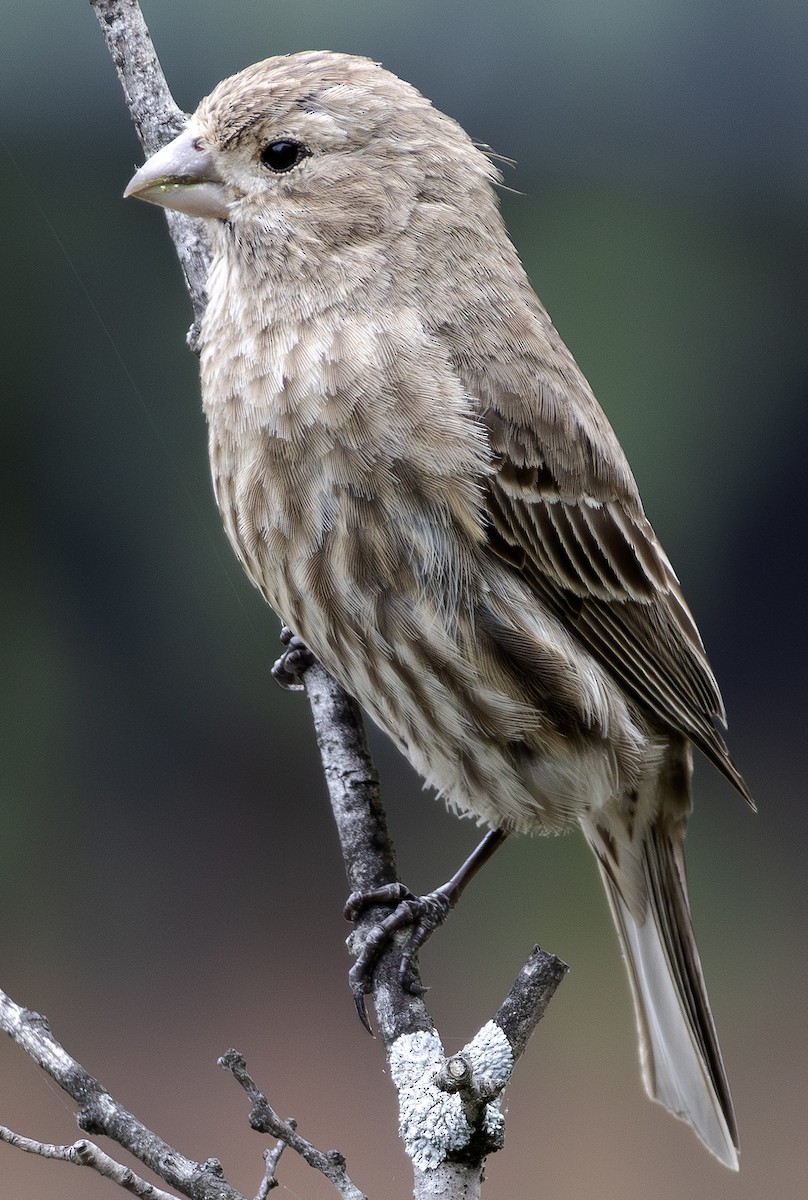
422,914
289,669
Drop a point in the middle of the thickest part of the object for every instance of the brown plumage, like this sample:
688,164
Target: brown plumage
414,472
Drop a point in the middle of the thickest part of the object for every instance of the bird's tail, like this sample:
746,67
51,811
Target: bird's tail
679,1052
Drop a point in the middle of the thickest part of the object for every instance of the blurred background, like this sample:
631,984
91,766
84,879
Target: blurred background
170,883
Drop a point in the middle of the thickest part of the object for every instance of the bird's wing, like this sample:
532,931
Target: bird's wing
564,510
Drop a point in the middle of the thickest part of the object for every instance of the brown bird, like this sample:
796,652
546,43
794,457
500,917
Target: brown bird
416,475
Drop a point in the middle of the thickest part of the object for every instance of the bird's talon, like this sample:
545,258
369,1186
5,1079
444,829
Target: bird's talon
422,914
289,669
411,985
391,893
362,1012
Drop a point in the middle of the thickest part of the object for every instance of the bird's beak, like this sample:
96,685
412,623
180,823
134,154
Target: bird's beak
183,176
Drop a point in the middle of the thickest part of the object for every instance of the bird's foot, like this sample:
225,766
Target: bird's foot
421,914
289,669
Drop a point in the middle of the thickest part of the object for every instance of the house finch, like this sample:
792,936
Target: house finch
414,472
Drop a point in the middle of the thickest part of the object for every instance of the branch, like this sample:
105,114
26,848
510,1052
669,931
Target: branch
157,119
99,1113
370,861
87,1154
263,1118
526,1002
450,1119
271,1159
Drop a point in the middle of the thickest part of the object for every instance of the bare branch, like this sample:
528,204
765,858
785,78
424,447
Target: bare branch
370,862
264,1119
157,119
100,1114
526,1002
271,1159
87,1154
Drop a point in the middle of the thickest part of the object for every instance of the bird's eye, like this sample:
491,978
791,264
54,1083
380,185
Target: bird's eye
284,154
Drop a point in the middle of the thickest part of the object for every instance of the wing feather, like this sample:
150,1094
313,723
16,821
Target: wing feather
567,514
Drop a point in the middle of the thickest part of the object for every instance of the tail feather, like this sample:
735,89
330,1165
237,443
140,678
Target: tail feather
679,1052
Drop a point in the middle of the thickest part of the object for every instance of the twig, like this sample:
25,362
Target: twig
87,1154
271,1159
157,119
264,1119
100,1114
526,1002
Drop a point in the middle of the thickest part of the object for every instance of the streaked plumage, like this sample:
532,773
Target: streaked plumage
414,472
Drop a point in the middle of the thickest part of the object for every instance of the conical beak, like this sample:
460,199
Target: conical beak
183,176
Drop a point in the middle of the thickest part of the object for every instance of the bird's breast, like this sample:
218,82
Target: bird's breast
339,436
349,466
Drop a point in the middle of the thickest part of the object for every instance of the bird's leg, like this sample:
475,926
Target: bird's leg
423,914
289,668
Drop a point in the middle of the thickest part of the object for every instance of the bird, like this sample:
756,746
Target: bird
414,472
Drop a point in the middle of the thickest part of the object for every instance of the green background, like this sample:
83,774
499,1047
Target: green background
169,878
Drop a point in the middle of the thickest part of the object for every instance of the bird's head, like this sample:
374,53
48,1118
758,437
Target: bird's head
326,143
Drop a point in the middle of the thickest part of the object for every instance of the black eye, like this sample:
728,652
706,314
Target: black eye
283,155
